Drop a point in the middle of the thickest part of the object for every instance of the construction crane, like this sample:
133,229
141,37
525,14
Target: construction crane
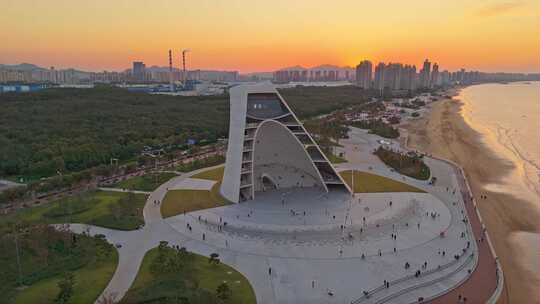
184,74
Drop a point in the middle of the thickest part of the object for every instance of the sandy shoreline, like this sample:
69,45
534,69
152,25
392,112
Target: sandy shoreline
444,133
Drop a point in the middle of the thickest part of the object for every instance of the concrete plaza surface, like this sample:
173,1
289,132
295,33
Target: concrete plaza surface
306,246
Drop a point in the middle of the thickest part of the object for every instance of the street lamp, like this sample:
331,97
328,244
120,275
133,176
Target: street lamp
18,255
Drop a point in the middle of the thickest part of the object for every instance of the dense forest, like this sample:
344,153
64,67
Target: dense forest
308,102
68,130
74,129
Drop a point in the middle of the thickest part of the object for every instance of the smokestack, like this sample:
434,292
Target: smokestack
184,65
171,84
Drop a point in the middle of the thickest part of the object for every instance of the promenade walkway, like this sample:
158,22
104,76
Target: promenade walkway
482,285
486,280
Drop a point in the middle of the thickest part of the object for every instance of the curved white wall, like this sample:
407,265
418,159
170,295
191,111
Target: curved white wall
279,154
233,166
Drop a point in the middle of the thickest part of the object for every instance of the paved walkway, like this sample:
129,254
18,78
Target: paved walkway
123,190
482,284
315,242
135,244
6,184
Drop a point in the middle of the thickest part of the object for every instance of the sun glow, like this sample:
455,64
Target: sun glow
263,36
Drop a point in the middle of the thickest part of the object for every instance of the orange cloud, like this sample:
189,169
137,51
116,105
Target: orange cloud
499,9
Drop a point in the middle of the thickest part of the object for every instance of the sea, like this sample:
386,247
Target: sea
508,118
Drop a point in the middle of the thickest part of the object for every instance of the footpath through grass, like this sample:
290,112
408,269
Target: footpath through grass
148,182
108,209
48,257
179,201
169,275
365,182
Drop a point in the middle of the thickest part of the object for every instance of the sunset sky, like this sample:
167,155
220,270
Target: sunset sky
266,35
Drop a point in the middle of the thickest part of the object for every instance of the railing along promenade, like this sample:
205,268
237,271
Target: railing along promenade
371,293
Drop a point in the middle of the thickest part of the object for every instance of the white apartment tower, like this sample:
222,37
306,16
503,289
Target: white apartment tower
363,74
425,74
435,76
379,77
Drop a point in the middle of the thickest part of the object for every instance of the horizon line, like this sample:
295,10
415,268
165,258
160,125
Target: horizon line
82,69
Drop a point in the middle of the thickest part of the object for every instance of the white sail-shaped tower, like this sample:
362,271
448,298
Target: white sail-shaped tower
269,148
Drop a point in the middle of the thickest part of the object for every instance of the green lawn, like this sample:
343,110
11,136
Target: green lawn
179,201
162,286
108,209
148,182
46,254
90,280
368,183
215,174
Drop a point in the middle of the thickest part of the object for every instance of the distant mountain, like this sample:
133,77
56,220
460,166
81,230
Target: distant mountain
35,69
22,67
294,68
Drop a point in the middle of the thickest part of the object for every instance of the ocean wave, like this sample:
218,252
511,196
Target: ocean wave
505,139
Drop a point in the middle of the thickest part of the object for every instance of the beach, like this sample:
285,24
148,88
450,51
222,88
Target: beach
512,221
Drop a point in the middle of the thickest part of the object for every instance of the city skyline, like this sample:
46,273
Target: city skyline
265,37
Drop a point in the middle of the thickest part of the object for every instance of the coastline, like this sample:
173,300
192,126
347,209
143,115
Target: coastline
445,133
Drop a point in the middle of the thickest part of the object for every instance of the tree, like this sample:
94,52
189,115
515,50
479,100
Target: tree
66,288
214,258
223,292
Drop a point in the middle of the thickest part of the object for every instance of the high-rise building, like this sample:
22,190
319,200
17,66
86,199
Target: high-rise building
445,78
434,76
318,73
363,74
413,78
139,71
379,76
408,77
425,74
8,75
392,76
